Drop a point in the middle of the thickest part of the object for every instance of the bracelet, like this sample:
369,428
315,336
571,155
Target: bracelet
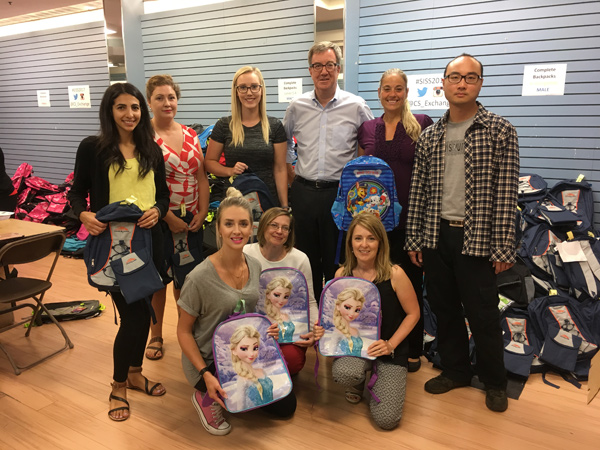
392,352
157,209
203,371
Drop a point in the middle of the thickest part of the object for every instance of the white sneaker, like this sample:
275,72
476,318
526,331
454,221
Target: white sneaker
211,414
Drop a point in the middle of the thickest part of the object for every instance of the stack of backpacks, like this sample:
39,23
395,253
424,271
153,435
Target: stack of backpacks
550,302
40,201
560,328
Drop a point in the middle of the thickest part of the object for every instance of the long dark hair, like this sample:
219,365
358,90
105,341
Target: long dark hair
147,151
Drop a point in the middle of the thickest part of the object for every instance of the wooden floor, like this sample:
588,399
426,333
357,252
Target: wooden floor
63,403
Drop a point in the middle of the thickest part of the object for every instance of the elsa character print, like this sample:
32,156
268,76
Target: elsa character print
245,343
348,305
277,295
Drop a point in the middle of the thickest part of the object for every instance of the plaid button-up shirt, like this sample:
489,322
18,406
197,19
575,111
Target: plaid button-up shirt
491,182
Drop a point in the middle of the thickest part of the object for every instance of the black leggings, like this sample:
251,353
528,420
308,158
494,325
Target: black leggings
283,408
130,342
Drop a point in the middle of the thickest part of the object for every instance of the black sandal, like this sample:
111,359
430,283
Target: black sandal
155,348
146,390
120,399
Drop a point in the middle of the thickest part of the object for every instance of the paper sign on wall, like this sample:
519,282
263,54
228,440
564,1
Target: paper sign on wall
426,92
43,98
547,79
289,89
79,97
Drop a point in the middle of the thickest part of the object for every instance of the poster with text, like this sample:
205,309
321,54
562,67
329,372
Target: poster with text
79,97
546,79
425,91
43,98
289,89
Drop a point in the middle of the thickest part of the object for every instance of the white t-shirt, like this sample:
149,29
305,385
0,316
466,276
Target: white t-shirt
295,259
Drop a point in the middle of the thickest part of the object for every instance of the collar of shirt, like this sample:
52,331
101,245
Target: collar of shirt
331,102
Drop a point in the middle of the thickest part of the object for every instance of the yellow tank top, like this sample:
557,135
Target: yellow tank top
127,183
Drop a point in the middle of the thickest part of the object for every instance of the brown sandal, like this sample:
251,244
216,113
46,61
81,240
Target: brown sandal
120,399
156,348
149,391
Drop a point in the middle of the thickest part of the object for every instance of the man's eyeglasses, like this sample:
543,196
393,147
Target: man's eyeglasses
254,88
276,227
470,78
330,66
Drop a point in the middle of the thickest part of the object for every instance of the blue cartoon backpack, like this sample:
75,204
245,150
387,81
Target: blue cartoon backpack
367,185
249,364
120,258
350,313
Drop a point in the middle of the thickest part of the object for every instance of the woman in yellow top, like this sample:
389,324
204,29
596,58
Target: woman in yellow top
124,161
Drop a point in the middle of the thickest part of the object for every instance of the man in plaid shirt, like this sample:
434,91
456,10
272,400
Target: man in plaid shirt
461,228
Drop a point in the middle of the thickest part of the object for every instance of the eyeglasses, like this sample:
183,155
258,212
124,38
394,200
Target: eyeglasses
470,78
254,88
330,66
276,227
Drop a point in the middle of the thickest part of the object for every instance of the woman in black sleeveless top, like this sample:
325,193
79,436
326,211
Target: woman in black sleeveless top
368,257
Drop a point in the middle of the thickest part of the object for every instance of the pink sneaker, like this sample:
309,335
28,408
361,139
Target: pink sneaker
211,414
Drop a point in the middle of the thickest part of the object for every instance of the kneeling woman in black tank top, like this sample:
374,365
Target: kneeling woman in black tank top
368,257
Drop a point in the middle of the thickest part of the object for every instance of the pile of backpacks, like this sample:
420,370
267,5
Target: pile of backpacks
43,202
560,328
550,299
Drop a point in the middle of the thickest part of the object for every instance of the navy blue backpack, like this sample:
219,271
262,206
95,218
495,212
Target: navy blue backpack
577,197
256,192
120,258
567,341
538,252
521,345
532,187
183,251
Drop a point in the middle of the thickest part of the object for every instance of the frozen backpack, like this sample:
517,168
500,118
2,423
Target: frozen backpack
183,251
283,298
120,258
350,313
249,364
367,185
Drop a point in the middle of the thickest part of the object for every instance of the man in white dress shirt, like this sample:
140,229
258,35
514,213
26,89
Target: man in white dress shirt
325,122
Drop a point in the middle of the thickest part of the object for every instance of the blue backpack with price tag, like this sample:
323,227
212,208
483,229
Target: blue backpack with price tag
120,258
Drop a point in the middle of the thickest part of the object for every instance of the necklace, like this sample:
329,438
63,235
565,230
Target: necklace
236,279
368,275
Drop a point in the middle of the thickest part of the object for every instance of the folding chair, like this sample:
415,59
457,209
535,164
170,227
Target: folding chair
14,288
